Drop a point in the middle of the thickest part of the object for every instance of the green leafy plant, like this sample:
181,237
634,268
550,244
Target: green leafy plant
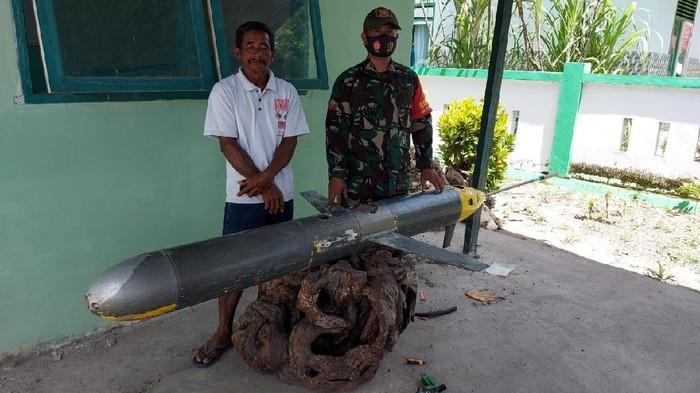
459,128
468,43
636,196
592,31
659,273
591,208
689,190
543,39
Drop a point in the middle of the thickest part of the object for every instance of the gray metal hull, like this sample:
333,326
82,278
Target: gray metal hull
152,284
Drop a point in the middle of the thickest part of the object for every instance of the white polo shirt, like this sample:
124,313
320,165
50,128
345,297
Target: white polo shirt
258,120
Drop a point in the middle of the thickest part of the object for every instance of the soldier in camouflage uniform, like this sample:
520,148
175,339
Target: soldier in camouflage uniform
375,107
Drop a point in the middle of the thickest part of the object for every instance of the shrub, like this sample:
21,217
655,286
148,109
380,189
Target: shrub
689,190
459,130
683,187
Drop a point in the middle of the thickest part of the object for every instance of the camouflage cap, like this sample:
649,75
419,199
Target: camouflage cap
378,17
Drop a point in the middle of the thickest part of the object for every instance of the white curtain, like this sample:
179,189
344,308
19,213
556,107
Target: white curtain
421,41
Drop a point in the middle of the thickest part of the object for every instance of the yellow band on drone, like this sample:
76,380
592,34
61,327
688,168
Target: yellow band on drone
471,199
146,315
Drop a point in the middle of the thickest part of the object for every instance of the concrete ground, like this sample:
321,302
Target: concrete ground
567,324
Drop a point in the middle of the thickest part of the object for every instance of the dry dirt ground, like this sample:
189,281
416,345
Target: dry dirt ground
565,324
625,233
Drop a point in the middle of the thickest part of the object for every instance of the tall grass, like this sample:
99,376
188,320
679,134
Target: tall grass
592,31
468,43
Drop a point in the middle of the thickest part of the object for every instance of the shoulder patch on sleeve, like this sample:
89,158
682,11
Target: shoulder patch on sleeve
421,108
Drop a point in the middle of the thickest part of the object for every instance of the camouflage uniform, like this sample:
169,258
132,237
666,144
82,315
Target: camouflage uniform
370,117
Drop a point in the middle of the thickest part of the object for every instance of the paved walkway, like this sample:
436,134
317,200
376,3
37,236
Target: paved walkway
567,324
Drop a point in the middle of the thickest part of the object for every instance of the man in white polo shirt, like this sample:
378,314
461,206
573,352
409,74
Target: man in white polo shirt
256,118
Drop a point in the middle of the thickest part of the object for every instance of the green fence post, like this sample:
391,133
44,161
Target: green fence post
569,101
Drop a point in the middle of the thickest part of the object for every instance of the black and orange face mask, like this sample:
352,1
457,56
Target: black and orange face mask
381,46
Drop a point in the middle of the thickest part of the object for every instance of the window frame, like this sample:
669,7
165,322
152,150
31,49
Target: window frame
217,64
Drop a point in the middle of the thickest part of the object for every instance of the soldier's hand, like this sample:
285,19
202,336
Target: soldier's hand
337,192
430,175
273,199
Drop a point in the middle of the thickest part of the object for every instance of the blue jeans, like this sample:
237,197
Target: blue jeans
239,217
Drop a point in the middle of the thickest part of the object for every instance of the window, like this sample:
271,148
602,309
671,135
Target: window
515,122
423,15
82,50
662,138
421,43
626,133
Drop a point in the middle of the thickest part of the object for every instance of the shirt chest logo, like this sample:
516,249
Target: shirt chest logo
281,107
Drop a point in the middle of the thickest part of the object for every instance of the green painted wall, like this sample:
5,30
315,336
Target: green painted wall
85,185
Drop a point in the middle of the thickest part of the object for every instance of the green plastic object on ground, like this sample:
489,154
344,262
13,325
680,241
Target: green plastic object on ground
428,384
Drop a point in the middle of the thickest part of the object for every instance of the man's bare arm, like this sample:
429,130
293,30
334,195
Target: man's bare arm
237,157
257,183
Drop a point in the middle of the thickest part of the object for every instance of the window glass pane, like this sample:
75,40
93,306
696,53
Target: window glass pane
626,133
294,56
134,38
421,44
662,138
291,23
514,125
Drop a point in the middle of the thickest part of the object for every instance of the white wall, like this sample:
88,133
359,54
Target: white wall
598,128
536,101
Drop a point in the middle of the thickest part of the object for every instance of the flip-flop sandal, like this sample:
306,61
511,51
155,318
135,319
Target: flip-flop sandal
216,351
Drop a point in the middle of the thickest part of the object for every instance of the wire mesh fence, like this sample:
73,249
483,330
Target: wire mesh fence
651,64
692,68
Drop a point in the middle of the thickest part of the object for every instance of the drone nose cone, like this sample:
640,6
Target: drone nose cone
137,288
